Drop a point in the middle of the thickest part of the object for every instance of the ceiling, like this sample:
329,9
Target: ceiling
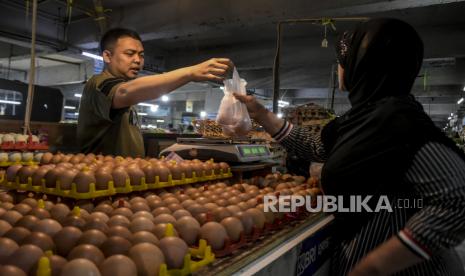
183,32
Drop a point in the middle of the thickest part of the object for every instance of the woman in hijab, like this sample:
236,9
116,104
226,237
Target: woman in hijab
385,146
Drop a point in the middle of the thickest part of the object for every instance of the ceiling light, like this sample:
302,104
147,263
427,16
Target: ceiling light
203,114
10,102
282,103
94,56
160,121
165,98
280,115
452,114
142,114
449,118
76,113
77,95
464,88
154,108
69,107
460,101
222,87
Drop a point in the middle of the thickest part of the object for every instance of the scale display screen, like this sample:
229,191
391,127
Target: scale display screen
250,151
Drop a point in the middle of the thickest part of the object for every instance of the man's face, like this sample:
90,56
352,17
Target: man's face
126,58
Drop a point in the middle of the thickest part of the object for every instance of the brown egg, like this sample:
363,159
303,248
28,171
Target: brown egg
30,201
155,203
258,217
176,171
144,236
119,231
252,203
115,245
203,218
122,211
144,214
224,166
186,168
93,236
163,172
25,257
174,249
9,270
202,200
96,223
161,210
243,205
66,239
196,208
41,213
135,175
6,197
22,208
25,172
222,202
220,213
7,205
72,220
214,233
104,208
269,216
208,168
170,200
182,197
65,177
11,216
233,209
7,248
38,175
197,168
141,224
140,206
186,203
51,176
12,172
83,179
47,226
118,265
160,230
150,173
46,158
247,221
79,267
164,218
18,234
147,258
181,213
188,229
27,222
118,220
120,176
100,215
59,211
87,251
137,199
233,227
41,240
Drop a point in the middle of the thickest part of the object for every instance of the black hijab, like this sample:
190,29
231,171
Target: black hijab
372,146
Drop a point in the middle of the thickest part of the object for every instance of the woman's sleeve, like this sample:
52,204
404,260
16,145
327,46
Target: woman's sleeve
438,176
303,143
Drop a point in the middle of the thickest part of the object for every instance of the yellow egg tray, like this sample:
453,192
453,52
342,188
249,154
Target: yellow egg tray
25,163
111,190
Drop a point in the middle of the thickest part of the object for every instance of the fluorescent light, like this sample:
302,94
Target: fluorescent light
142,114
460,101
222,87
203,114
76,113
147,104
160,121
452,114
280,115
282,103
165,98
10,102
77,95
449,118
464,88
70,107
154,108
94,56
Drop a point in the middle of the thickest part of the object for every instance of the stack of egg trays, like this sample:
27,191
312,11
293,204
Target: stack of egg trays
111,190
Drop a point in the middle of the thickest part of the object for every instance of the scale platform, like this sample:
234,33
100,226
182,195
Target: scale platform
220,149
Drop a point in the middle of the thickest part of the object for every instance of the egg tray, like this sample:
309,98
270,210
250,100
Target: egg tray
25,163
23,146
111,190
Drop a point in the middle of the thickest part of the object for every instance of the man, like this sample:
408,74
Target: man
108,122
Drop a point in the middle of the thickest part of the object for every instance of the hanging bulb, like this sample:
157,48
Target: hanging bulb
324,42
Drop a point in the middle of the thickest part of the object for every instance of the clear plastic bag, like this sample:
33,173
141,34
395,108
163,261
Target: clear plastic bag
232,114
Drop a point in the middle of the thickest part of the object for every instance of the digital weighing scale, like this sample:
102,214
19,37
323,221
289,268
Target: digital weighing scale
220,149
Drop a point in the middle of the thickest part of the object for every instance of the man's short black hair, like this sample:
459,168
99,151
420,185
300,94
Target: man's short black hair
111,36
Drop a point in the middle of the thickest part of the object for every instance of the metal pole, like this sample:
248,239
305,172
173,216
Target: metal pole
276,80
32,70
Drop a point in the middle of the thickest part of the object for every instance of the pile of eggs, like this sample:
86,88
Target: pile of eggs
98,169
20,157
17,138
126,235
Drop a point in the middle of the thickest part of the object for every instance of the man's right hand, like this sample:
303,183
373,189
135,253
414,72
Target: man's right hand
214,69
256,110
